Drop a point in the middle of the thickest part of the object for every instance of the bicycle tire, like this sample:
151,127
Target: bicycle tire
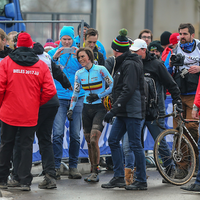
187,158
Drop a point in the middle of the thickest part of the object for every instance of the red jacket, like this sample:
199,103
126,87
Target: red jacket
23,89
197,96
165,53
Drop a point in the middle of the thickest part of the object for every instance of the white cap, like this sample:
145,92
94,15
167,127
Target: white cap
138,44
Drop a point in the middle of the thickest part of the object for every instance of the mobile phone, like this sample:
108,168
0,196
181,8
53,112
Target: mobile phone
68,50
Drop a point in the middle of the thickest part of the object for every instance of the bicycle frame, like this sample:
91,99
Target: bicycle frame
180,127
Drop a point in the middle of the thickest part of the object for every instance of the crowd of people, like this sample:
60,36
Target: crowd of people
42,85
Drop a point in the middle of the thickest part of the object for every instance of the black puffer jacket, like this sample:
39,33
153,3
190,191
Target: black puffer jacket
128,89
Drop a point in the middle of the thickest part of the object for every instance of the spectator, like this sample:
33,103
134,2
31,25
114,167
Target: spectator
10,37
46,117
93,109
156,48
4,51
129,109
70,65
156,70
195,114
26,84
91,37
164,39
188,47
174,39
49,45
100,46
146,35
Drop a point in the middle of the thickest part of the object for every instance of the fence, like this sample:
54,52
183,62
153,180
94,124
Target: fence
40,30
103,141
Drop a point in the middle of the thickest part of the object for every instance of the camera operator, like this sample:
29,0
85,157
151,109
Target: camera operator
187,75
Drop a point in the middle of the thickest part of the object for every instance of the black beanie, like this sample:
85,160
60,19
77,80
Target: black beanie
155,45
164,38
85,25
121,42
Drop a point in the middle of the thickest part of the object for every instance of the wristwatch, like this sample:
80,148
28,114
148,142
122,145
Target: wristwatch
195,108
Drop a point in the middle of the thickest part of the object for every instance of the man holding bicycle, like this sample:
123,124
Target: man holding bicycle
186,74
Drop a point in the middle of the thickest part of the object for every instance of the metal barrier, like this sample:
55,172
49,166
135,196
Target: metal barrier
40,30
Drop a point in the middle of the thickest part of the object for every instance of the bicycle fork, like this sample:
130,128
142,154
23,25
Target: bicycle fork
177,154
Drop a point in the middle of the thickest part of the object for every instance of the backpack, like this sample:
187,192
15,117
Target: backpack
151,99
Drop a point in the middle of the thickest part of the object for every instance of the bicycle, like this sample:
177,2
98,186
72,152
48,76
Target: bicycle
173,151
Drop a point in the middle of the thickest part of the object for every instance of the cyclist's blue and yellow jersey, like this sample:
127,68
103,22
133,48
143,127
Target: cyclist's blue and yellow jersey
92,81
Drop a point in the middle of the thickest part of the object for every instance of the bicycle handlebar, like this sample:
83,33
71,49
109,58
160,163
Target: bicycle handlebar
177,112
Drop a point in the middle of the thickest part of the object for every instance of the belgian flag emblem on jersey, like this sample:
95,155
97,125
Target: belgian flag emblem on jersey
92,86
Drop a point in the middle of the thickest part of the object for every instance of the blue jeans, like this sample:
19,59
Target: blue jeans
128,154
74,129
132,126
155,130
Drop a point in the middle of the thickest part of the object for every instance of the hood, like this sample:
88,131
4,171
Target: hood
5,52
133,56
126,56
38,48
24,56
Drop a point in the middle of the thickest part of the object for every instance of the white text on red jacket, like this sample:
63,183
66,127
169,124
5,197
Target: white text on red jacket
24,71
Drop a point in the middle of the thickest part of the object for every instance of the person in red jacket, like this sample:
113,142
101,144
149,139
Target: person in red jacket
25,84
196,115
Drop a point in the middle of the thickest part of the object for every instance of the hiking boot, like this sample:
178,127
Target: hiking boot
129,176
192,187
93,177
25,188
3,185
47,183
137,186
74,173
57,173
180,174
13,183
115,182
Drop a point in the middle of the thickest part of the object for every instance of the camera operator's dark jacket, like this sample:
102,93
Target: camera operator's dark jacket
155,69
57,73
128,88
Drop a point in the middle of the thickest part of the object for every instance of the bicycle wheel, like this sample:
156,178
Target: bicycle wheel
176,168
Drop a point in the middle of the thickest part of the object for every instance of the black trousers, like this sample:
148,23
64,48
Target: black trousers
43,132
26,137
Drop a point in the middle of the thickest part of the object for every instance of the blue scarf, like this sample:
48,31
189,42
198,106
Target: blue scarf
187,46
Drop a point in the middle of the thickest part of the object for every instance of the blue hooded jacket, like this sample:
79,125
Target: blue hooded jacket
72,66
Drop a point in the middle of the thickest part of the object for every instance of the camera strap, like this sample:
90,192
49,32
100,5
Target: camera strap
67,60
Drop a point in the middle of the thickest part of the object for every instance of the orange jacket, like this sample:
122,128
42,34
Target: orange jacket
23,89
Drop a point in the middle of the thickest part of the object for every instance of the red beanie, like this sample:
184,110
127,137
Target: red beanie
49,45
24,40
174,38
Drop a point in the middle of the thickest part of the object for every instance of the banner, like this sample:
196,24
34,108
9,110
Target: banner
103,141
